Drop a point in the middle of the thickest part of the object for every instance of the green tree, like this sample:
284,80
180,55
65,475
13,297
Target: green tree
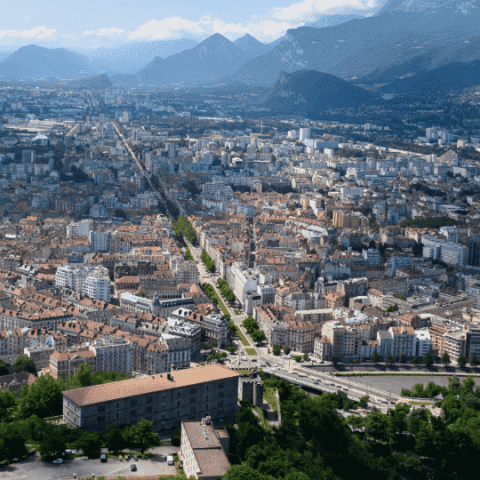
305,356
43,398
286,349
375,356
24,364
276,349
445,358
363,403
258,336
90,444
3,368
242,472
298,358
415,360
462,361
250,325
389,359
13,441
53,444
144,437
232,329
428,359
403,358
7,401
474,361
376,426
176,437
114,439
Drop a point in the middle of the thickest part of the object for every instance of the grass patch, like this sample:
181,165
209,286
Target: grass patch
236,312
251,351
419,403
263,418
222,306
242,337
270,398
241,370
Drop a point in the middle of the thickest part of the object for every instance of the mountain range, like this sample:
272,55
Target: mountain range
310,93
212,59
405,39
35,61
132,57
401,31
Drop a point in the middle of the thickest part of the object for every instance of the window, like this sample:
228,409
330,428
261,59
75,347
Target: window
192,410
133,403
133,413
148,409
178,403
178,413
221,385
101,409
206,388
206,406
220,403
206,397
179,394
101,418
220,394
118,405
193,391
118,415
149,400
193,399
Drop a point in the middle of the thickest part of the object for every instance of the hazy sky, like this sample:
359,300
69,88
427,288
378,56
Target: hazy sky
107,22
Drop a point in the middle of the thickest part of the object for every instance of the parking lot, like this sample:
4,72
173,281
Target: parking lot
33,469
394,384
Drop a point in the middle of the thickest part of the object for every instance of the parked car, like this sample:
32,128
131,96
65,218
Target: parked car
170,460
103,458
135,458
316,383
70,451
133,467
58,461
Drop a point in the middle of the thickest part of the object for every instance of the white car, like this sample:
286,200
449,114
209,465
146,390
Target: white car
58,461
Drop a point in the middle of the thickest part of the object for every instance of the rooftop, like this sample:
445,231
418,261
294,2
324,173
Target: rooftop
151,384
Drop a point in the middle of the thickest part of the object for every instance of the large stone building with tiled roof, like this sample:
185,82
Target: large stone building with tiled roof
164,399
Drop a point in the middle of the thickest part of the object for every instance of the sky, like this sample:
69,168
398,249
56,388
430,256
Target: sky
93,23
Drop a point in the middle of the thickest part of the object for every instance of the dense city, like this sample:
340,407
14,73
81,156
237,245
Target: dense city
234,296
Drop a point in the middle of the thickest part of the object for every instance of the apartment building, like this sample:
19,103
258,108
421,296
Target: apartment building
204,450
68,363
99,241
243,281
164,399
214,326
97,284
81,228
113,354
403,341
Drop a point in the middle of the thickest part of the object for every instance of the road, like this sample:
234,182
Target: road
207,277
160,196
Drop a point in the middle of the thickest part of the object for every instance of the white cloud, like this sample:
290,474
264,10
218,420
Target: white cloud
265,28
34,33
173,27
105,32
308,9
